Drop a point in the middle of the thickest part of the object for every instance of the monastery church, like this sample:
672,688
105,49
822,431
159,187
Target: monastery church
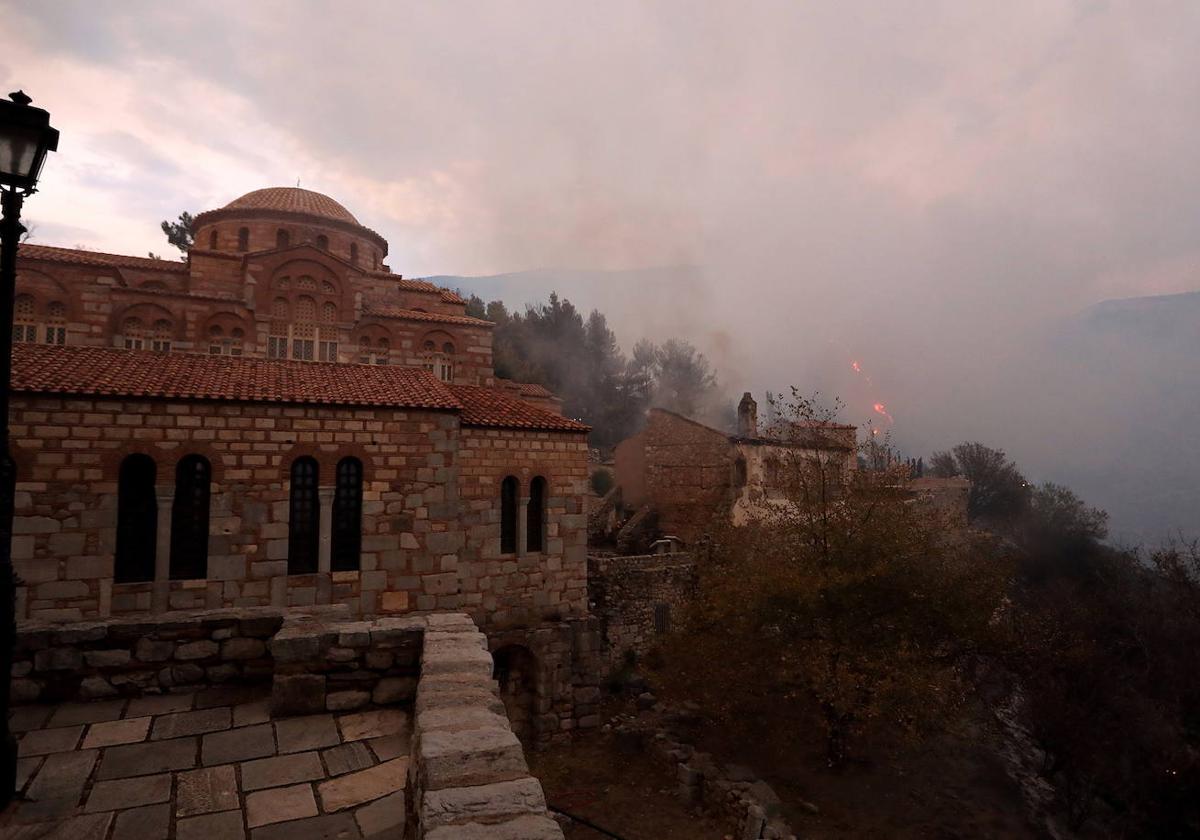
280,420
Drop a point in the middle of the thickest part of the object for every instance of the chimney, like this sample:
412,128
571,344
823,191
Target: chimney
747,417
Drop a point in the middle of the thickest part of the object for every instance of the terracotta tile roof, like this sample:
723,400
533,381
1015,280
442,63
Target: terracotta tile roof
292,200
106,371
141,374
490,407
531,389
409,285
384,310
72,255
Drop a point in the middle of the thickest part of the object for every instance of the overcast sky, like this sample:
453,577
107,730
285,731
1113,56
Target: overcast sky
920,186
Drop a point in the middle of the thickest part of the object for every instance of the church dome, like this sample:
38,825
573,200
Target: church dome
293,200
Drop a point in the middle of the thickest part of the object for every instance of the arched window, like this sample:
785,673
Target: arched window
282,238
323,242
56,323
24,319
439,363
304,518
189,519
133,334
327,350
161,338
243,239
137,520
277,341
304,330
347,516
535,516
383,349
354,253
508,515
212,240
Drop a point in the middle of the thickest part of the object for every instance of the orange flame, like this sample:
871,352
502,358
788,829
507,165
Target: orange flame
879,409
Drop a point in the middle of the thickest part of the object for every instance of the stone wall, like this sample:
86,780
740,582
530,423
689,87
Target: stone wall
326,663
174,652
636,599
468,778
430,518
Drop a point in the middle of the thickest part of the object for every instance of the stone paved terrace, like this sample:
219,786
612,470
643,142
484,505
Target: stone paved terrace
210,765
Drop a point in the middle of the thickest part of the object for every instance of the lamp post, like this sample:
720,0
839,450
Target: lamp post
25,137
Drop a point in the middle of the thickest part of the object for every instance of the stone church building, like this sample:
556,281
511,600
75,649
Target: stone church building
280,420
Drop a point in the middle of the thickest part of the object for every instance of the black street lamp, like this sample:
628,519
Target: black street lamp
25,137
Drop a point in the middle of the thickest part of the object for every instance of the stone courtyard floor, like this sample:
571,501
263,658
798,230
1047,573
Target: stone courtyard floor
206,766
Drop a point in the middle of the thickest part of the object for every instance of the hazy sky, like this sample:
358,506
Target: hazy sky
922,186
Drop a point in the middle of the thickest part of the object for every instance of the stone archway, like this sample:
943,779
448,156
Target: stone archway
515,669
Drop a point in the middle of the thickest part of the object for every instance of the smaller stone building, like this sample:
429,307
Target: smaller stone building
687,473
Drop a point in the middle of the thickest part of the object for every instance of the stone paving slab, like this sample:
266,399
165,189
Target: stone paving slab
281,770
309,732
113,777
182,724
328,827
150,822
347,758
115,732
151,757
162,704
206,790
280,805
70,714
363,786
46,741
129,793
223,826
239,744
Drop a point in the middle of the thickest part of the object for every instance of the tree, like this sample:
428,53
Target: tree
849,608
179,233
999,493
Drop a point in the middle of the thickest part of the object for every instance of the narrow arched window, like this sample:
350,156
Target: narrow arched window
347,516
354,253
323,242
56,323
24,319
535,516
137,520
212,240
243,239
508,515
304,518
282,238
189,518
160,339
133,334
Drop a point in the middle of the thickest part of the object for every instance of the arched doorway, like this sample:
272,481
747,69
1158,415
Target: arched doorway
515,669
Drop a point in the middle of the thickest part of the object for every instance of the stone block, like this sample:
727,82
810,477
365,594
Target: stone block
96,688
483,804
89,568
182,724
115,732
376,723
394,690
206,790
153,650
226,825
311,732
243,648
202,649
383,817
534,827
279,805
107,658
242,744
342,701
151,757
129,793
470,757
394,602
58,659
297,694
67,544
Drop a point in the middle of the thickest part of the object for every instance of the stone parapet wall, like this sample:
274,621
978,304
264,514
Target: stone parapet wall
468,777
173,652
637,598
338,665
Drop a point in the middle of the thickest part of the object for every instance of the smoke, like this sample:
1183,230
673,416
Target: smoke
935,190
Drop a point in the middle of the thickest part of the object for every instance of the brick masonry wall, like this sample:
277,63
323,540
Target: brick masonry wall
689,473
430,509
